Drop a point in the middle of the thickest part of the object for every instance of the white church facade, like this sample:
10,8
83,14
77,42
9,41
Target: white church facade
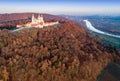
38,22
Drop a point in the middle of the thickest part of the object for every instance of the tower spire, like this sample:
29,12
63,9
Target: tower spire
33,18
39,16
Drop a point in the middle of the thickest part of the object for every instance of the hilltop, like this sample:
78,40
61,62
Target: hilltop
9,21
63,53
21,16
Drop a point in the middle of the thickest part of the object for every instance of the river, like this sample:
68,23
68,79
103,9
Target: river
92,28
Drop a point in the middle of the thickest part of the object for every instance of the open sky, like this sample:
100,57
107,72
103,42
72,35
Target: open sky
68,7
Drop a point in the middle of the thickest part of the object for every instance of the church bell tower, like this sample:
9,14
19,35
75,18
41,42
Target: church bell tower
33,18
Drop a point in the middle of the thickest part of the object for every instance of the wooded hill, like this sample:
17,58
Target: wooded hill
64,53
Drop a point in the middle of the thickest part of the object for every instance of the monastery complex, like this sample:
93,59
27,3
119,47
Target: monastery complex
38,22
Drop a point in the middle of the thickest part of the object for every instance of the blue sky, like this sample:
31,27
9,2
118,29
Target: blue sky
70,7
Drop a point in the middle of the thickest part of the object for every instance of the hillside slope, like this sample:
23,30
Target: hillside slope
64,53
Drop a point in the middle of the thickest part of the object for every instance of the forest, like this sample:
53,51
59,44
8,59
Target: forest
63,53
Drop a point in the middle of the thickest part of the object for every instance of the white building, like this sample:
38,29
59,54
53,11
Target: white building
37,22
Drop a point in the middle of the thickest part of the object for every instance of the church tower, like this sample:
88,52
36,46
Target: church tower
33,18
40,19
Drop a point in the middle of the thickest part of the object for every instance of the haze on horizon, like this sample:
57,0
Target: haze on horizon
67,7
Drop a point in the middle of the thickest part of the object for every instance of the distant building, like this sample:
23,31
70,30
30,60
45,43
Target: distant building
38,22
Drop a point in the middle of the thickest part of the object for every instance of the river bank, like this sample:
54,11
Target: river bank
107,38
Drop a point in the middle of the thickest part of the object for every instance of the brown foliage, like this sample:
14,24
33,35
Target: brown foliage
64,53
